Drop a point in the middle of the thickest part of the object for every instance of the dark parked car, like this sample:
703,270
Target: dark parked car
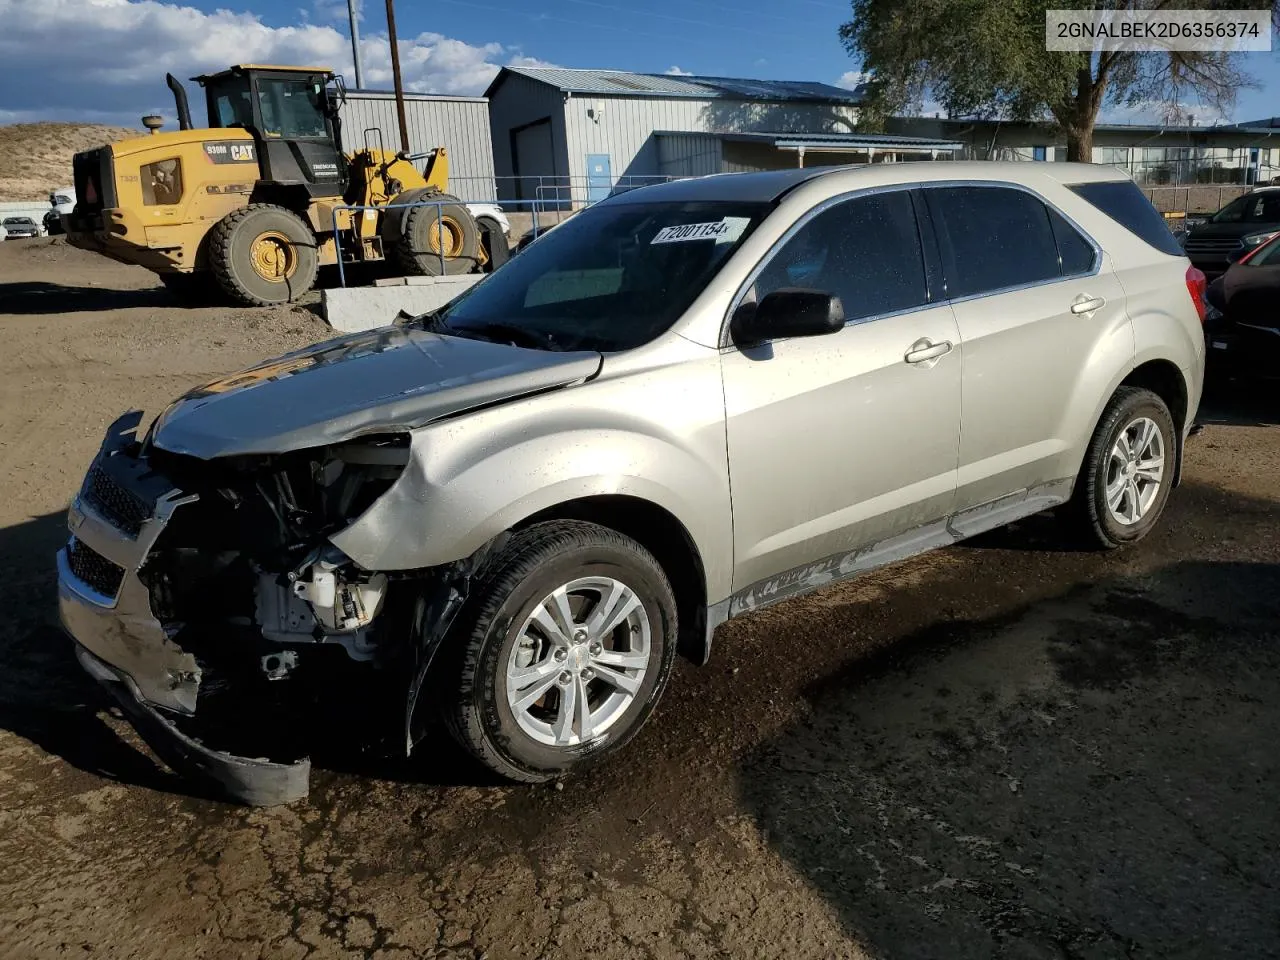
1242,225
15,227
1243,320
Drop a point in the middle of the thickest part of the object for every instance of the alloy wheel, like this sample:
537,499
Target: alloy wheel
578,662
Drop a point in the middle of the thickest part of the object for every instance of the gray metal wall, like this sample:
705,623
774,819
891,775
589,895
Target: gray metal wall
518,102
689,154
459,124
624,128
626,125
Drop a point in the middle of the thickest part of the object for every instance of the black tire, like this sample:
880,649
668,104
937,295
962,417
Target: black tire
1088,513
470,682
231,254
495,243
192,289
411,239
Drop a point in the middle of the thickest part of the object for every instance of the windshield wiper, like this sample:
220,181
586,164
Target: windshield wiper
496,331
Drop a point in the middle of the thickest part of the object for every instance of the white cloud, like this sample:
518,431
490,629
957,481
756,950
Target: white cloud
105,60
852,79
674,71
335,11
1160,112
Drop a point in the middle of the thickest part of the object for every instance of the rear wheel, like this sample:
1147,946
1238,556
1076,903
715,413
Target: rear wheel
563,656
1128,471
437,238
263,255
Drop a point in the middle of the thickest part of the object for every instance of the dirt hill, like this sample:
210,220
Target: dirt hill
36,157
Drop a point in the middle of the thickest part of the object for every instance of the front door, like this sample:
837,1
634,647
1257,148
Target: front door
599,177
842,448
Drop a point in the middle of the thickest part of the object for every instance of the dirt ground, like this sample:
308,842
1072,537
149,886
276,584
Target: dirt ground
1003,749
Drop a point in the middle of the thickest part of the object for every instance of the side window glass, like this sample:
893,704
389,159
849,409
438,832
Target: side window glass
865,250
992,238
1074,251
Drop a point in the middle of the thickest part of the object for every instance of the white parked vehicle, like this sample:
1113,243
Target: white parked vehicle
61,201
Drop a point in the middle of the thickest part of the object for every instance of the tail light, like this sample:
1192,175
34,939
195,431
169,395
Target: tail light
1196,286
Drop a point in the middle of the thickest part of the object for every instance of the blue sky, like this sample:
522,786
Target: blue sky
112,54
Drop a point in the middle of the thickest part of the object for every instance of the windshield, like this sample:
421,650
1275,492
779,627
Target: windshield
19,222
1251,208
611,278
291,108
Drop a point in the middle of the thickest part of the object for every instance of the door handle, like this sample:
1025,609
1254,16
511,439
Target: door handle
924,350
1086,304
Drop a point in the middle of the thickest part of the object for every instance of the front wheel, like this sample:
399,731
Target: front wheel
1128,470
564,653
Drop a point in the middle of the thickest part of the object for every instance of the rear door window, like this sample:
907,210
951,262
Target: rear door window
992,238
1123,202
865,250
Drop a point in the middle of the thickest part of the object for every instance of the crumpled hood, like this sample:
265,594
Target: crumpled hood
392,378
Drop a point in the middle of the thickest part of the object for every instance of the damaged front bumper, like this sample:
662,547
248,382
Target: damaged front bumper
106,608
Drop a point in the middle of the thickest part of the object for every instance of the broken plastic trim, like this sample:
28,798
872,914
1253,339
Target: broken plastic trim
433,616
246,780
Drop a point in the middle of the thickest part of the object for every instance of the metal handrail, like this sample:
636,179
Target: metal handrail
438,204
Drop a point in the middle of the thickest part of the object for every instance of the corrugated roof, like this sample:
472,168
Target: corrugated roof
857,141
620,83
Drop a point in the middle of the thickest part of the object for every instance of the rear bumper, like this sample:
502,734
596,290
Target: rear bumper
121,643
114,234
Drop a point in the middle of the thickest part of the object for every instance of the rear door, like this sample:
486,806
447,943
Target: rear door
848,440
1034,299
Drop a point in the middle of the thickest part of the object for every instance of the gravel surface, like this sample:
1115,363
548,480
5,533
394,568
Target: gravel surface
1002,749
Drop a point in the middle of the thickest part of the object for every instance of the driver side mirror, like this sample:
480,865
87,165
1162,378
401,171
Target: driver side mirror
789,312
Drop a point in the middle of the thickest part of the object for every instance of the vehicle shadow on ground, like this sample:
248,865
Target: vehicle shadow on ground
45,697
40,297
1091,775
1240,402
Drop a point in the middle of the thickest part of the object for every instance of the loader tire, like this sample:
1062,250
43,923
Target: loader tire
418,234
495,243
263,254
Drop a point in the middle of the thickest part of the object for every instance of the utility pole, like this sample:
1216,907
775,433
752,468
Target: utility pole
355,43
395,73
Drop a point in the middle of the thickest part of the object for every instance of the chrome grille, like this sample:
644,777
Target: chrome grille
122,508
93,569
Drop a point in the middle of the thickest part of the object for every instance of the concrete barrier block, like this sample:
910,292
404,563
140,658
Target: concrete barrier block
350,309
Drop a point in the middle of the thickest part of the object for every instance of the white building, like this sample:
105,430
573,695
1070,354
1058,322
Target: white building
574,135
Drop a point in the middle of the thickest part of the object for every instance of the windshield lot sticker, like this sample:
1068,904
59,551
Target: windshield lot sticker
691,231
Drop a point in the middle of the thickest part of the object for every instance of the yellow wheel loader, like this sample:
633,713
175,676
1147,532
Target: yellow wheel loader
254,202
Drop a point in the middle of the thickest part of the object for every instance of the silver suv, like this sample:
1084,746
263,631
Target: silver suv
685,403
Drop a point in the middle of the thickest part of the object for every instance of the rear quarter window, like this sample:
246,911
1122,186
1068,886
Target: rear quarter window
1123,202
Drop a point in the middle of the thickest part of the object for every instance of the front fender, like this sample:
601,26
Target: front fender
657,435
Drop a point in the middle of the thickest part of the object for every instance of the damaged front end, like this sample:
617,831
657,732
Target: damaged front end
207,596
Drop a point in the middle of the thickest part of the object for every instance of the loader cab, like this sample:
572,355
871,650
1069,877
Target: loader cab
292,117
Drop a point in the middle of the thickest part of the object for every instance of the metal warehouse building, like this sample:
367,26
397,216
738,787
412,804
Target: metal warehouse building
572,135
459,124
